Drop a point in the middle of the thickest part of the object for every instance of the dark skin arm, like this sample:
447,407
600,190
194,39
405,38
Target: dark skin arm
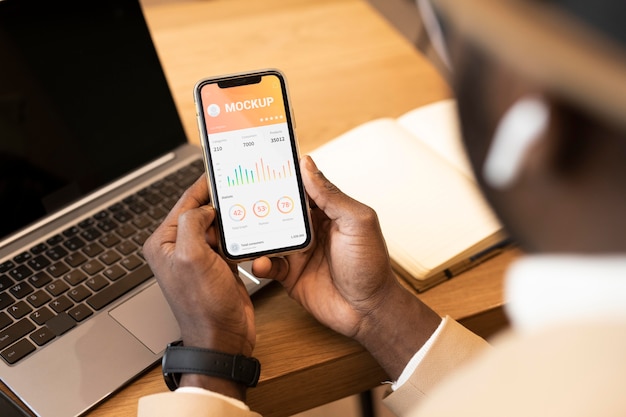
205,293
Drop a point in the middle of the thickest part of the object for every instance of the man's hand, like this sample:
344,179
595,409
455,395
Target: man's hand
210,302
345,279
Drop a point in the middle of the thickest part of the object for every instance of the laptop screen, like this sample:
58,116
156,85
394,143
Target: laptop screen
82,101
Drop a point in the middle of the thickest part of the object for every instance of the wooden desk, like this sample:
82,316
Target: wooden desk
345,65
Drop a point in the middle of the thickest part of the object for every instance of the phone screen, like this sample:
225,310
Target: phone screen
252,162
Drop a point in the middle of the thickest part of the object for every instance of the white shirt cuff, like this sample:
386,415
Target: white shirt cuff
202,391
417,358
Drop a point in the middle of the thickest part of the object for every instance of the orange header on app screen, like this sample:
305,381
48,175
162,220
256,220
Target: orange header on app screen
242,107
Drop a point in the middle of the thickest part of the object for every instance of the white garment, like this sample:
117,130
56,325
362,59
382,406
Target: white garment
548,290
202,391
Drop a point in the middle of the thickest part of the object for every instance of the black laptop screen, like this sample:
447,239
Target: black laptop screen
83,100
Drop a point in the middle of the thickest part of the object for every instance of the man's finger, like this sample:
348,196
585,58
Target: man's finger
191,232
324,193
272,268
195,196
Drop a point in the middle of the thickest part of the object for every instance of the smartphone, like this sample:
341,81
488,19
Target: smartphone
251,156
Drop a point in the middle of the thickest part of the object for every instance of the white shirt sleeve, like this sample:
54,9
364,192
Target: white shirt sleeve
202,391
417,358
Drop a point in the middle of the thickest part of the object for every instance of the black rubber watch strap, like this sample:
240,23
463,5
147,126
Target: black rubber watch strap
190,360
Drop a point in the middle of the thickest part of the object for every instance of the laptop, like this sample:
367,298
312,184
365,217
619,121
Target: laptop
92,157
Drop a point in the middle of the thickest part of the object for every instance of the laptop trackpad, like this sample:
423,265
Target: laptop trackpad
149,318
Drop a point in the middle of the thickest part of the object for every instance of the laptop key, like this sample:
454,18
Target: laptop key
40,279
152,197
75,277
20,272
97,282
110,257
56,253
17,351
114,273
137,207
61,304
79,293
116,207
39,248
170,203
131,262
126,230
93,267
110,240
5,282
42,315
74,243
5,320
42,336
54,240
19,309
12,333
76,259
38,262
93,249
141,237
57,269
22,257
21,290
61,324
157,213
39,298
6,266
70,231
106,225
120,287
5,300
123,216
142,222
57,287
80,312
86,223
90,234
126,248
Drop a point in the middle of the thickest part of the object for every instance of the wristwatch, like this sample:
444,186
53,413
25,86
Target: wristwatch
179,359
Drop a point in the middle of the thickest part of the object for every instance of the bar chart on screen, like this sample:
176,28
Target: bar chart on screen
258,173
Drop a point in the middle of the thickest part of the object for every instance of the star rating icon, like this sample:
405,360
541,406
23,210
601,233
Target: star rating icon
271,118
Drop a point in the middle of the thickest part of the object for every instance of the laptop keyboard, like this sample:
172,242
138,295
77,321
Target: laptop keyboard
62,281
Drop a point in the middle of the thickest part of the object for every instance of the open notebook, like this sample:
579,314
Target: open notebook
413,171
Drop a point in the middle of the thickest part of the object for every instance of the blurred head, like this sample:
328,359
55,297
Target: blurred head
541,90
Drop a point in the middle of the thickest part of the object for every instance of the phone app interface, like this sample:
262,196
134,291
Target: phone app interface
253,166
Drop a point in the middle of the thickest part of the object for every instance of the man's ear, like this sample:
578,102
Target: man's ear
543,133
521,127
570,133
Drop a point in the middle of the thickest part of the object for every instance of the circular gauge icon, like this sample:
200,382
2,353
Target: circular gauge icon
261,208
237,212
285,204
